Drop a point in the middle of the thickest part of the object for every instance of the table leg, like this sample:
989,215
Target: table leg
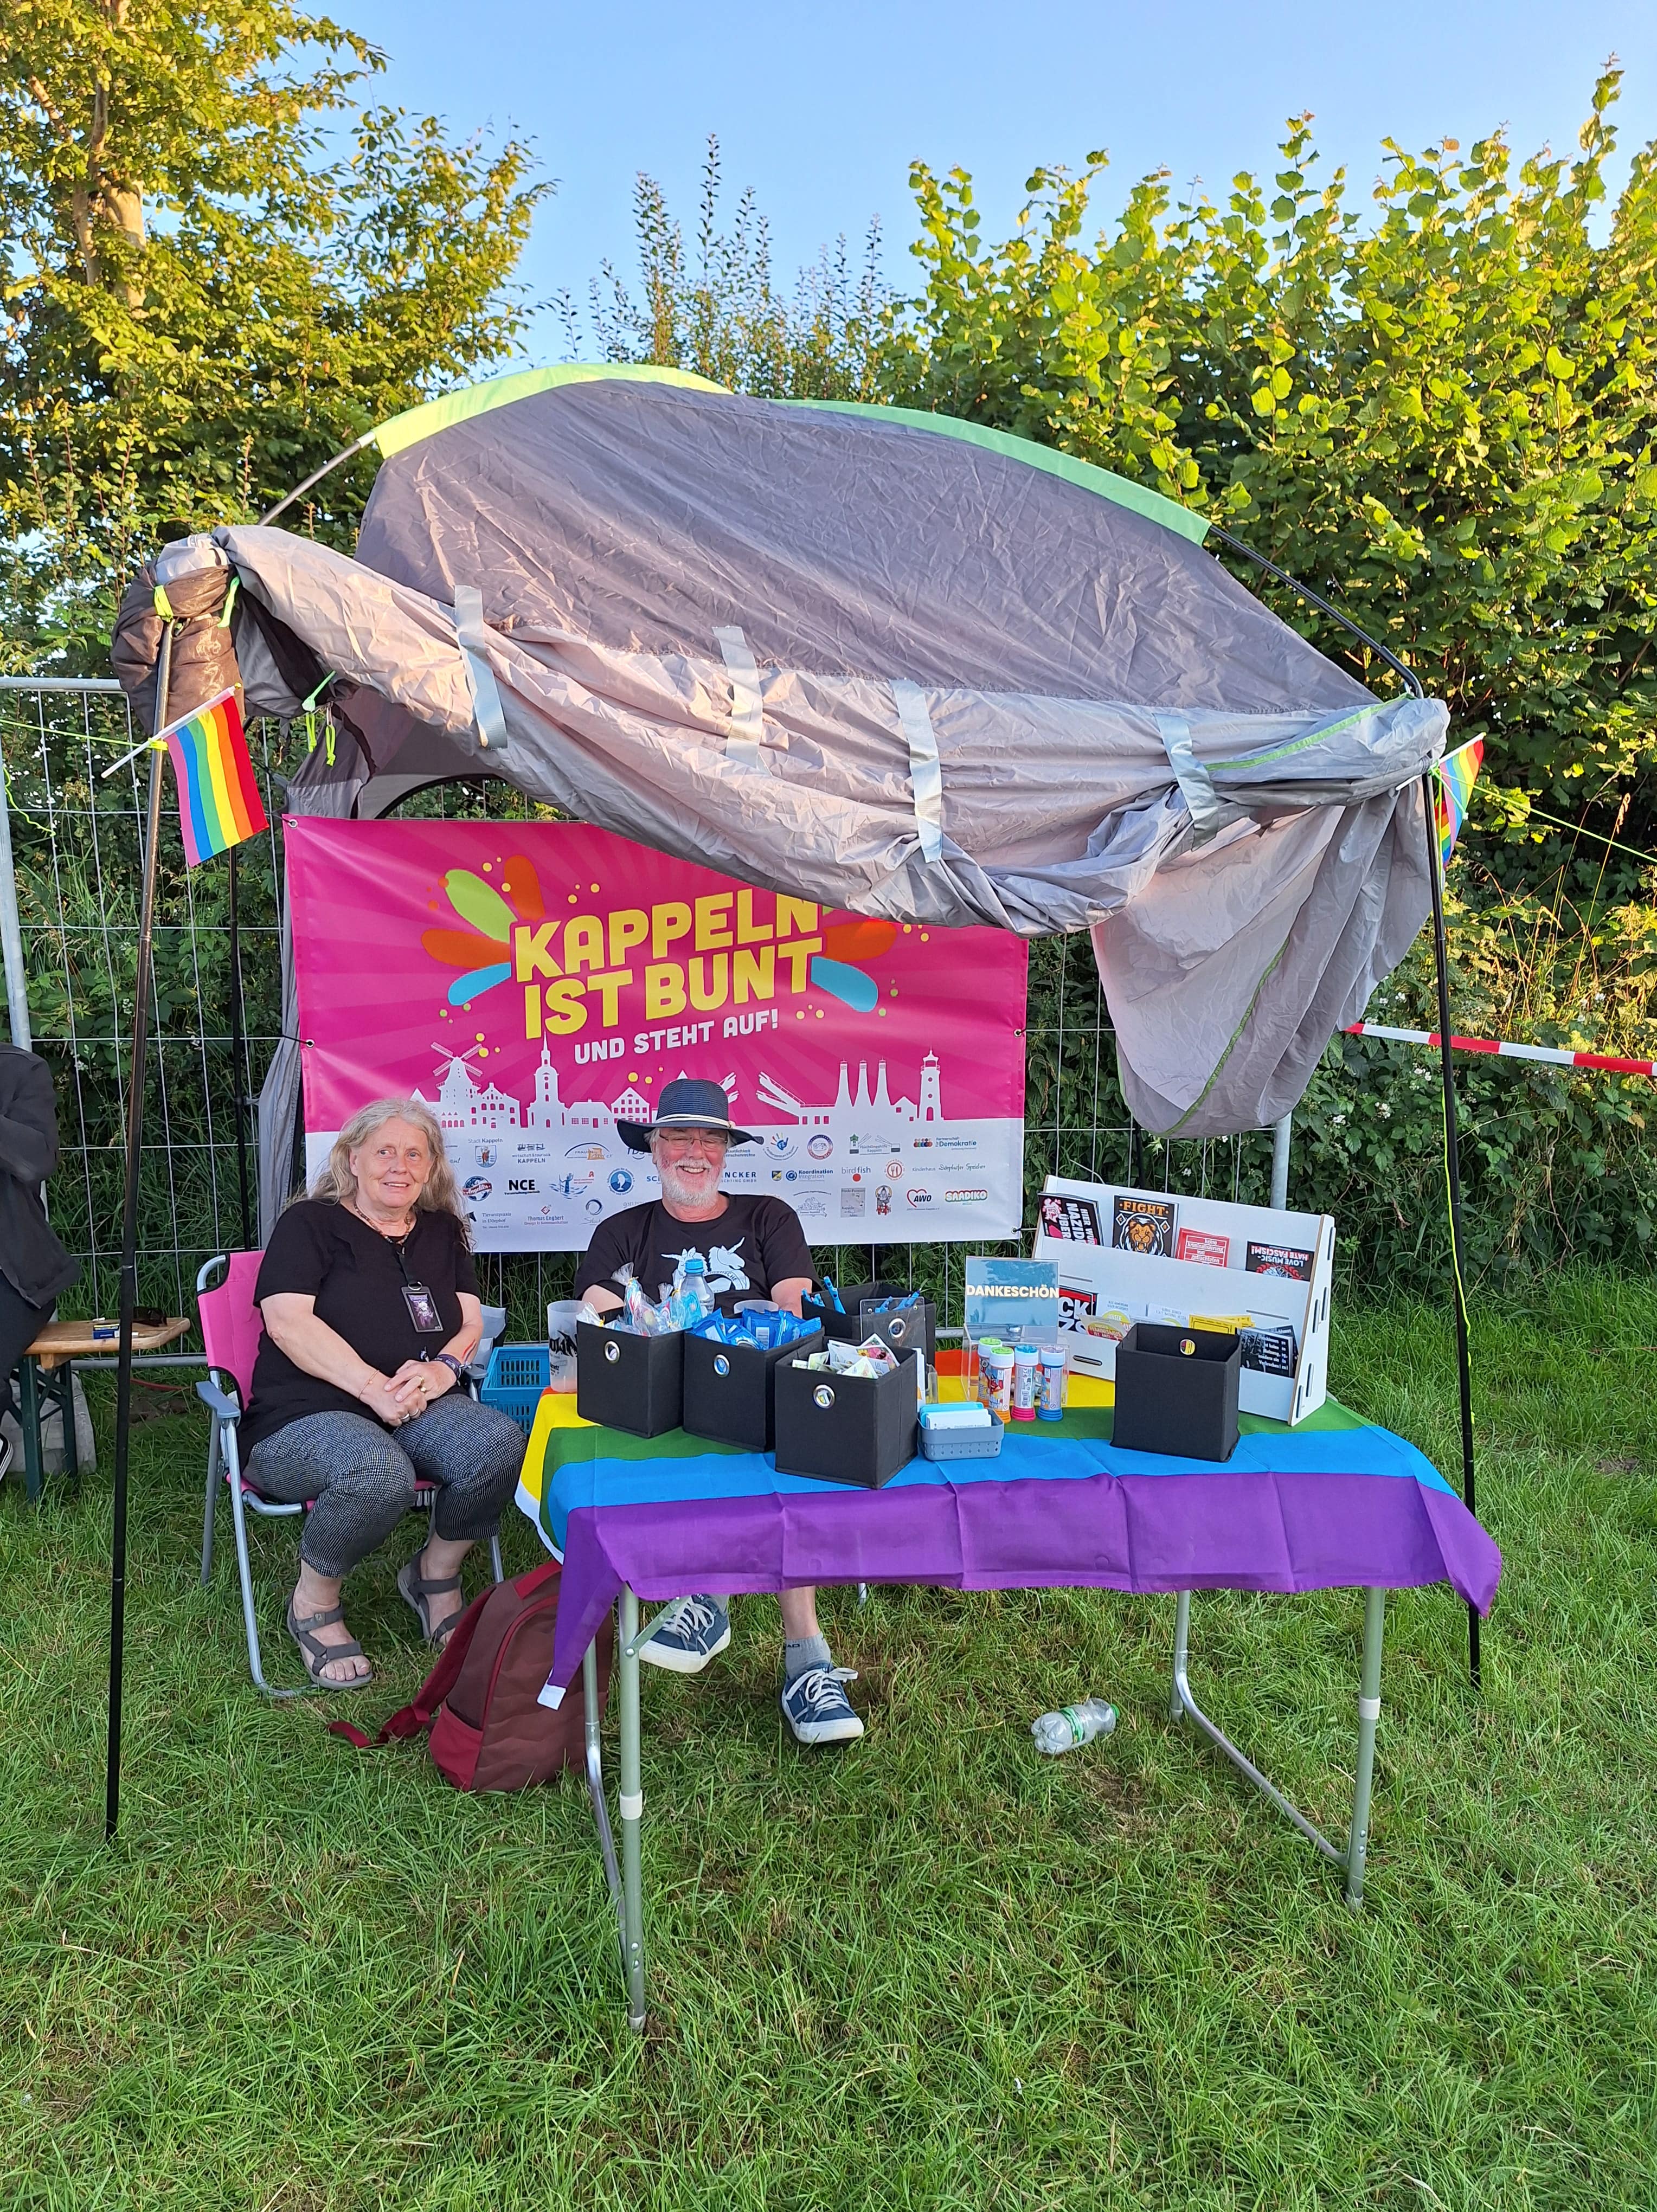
632,1813
1182,1701
28,1379
71,1453
1374,1622
589,1680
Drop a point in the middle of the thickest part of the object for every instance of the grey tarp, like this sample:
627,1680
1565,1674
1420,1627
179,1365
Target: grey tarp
900,667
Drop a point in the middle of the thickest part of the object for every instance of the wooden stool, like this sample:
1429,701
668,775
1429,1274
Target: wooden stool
46,1377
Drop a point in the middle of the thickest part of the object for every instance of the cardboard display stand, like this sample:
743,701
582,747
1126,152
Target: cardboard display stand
1130,1256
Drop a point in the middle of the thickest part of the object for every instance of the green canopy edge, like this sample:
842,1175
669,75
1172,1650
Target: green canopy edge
1120,490
406,429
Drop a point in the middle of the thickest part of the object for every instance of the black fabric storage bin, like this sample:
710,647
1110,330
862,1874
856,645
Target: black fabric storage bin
846,1428
1183,1403
730,1388
902,1331
628,1382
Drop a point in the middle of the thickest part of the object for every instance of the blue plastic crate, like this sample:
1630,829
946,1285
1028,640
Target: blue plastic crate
518,1373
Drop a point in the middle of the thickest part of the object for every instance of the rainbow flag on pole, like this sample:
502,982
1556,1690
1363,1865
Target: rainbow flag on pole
219,802
1453,780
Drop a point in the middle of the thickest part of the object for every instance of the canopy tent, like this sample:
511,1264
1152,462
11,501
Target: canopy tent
889,661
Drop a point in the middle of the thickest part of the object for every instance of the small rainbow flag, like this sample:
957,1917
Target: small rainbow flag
1453,780
218,795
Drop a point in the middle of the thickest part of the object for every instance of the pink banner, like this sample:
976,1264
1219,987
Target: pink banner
538,982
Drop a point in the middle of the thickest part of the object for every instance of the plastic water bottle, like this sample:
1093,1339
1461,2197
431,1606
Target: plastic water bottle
1072,1725
691,1296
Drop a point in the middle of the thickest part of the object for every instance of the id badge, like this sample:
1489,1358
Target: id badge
423,1310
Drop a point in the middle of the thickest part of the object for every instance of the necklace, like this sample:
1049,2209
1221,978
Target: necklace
396,1237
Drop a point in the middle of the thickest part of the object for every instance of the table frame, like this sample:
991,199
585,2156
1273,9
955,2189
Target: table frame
45,1379
625,1881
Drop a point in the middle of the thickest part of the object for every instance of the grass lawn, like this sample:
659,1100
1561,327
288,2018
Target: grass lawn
934,1971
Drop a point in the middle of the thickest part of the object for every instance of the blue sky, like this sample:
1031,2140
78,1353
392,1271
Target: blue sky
820,108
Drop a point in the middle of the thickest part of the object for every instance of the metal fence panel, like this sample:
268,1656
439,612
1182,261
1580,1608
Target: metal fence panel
76,866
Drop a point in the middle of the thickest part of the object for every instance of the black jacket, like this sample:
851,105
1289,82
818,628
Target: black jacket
30,1259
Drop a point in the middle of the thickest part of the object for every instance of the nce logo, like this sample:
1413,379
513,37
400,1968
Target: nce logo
520,1182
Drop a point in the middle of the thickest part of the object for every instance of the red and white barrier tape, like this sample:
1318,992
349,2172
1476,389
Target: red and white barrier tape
1550,1055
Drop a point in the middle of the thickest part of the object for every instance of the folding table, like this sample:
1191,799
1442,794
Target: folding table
46,1377
1334,1503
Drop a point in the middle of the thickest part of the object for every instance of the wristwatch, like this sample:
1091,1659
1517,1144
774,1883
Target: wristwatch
447,1359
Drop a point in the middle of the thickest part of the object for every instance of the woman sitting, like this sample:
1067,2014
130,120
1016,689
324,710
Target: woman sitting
371,1312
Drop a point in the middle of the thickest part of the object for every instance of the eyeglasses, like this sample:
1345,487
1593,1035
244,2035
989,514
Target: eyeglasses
713,1141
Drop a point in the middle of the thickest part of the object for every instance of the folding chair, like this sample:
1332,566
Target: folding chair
231,1327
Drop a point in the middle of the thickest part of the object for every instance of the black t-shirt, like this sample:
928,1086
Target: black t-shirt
322,1251
755,1243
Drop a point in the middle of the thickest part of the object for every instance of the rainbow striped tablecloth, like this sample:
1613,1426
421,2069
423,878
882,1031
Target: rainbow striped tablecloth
1334,1503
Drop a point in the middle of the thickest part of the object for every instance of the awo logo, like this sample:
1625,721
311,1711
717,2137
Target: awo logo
520,1183
918,1194
965,1197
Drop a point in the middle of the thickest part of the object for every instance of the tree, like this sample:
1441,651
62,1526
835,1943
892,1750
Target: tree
721,314
208,293
1443,419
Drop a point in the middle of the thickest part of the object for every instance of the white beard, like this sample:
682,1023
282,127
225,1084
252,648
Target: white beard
680,1190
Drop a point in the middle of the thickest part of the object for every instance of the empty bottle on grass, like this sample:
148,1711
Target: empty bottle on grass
1072,1725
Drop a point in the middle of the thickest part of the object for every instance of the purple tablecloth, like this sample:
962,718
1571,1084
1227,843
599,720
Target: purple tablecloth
1334,1502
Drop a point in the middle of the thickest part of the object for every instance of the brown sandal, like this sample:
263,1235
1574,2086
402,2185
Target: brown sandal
416,1591
317,1654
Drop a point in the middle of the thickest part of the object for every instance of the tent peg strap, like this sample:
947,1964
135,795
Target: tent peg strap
746,732
925,767
472,638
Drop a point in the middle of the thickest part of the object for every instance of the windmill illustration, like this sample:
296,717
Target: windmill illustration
462,1103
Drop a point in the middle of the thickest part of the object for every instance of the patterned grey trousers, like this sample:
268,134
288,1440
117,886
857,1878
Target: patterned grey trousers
362,1477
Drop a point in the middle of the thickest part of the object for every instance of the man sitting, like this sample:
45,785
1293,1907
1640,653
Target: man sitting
754,1247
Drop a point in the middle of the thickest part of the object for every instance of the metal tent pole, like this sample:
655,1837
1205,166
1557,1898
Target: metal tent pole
1452,1161
357,446
1282,1136
129,1252
11,934
1453,1177
238,1072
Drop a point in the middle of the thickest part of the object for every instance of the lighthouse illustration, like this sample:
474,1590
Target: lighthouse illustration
931,1111
841,1117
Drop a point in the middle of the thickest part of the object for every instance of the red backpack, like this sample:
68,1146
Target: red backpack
479,1701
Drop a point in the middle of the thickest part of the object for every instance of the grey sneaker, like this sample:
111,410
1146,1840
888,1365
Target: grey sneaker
687,1634
818,1709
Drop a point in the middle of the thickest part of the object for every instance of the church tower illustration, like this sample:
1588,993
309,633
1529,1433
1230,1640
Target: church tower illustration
547,1111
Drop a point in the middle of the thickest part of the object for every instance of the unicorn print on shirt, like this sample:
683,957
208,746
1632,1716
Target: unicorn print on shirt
726,1270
